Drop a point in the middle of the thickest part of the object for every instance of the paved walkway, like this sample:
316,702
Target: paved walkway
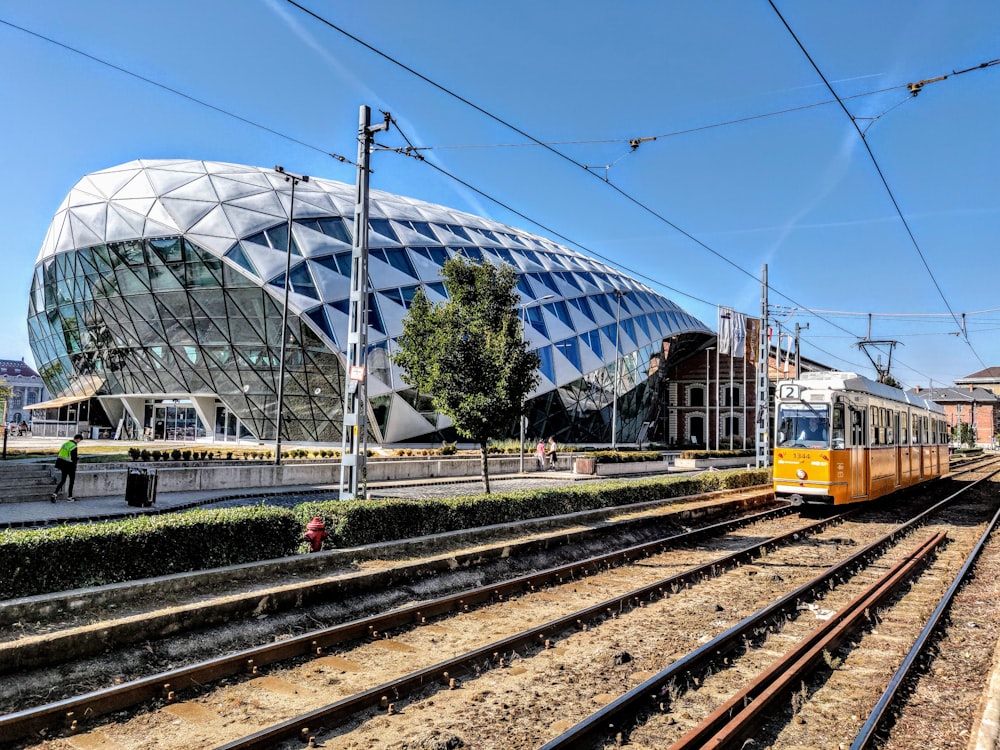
32,514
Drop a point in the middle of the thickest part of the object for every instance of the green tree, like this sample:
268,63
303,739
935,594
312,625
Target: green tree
468,353
891,381
5,393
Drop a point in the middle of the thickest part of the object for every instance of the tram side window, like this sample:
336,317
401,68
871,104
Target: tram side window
914,430
890,430
904,428
881,432
838,426
858,437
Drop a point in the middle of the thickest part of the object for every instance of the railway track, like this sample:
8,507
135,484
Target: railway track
525,662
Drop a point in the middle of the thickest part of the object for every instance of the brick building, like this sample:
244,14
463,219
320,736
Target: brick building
973,401
731,387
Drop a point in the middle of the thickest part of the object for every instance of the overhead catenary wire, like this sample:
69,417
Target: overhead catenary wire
176,92
341,158
553,232
496,118
535,141
881,174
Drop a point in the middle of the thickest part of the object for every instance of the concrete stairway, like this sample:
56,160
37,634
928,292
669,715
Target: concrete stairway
24,481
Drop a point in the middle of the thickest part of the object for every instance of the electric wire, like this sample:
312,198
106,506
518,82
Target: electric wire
176,92
496,118
535,222
881,174
413,150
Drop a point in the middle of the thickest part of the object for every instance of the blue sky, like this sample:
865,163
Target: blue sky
744,157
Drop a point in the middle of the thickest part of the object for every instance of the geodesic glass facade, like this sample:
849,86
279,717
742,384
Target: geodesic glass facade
164,281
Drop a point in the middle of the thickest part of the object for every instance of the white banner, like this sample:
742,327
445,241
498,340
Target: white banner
739,334
732,332
725,330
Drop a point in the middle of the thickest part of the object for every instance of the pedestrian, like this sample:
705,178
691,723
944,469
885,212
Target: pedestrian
551,450
66,463
540,454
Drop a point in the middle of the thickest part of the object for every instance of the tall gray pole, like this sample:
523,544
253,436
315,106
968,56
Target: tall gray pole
798,357
708,389
355,435
763,425
524,338
618,353
520,451
295,179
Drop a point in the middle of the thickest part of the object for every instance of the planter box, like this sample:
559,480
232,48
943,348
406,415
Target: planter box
583,466
739,462
633,467
109,479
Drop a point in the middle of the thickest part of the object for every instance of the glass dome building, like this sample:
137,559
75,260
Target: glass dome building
159,291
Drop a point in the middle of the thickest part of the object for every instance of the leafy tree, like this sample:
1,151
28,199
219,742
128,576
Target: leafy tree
890,380
468,353
5,393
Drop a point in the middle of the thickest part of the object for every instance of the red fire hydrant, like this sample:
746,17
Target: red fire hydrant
315,534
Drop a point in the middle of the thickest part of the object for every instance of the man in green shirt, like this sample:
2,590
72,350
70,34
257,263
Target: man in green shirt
66,463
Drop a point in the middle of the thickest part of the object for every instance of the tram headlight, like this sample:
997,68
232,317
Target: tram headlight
801,474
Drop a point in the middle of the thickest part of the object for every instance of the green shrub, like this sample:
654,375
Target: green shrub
353,523
619,457
693,454
38,561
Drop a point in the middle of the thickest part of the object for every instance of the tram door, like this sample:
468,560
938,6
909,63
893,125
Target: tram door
859,453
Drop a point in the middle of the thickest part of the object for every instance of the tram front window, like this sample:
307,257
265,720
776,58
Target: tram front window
804,426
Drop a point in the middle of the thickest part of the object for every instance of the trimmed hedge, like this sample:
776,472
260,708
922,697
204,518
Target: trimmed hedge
37,561
718,454
354,523
624,457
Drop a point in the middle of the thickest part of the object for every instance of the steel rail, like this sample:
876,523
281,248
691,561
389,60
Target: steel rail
71,713
334,713
443,672
866,736
730,722
623,710
97,638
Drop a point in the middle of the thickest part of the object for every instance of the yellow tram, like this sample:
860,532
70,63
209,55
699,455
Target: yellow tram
842,438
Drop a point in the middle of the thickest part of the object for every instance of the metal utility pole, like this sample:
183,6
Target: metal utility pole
295,179
355,435
524,338
763,408
798,356
619,293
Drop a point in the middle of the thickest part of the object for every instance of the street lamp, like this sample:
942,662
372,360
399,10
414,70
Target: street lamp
295,179
521,418
708,389
619,293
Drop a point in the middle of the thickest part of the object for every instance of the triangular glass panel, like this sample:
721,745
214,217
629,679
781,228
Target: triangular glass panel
570,349
317,316
240,258
547,366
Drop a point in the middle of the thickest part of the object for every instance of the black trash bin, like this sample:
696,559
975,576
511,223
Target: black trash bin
140,487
